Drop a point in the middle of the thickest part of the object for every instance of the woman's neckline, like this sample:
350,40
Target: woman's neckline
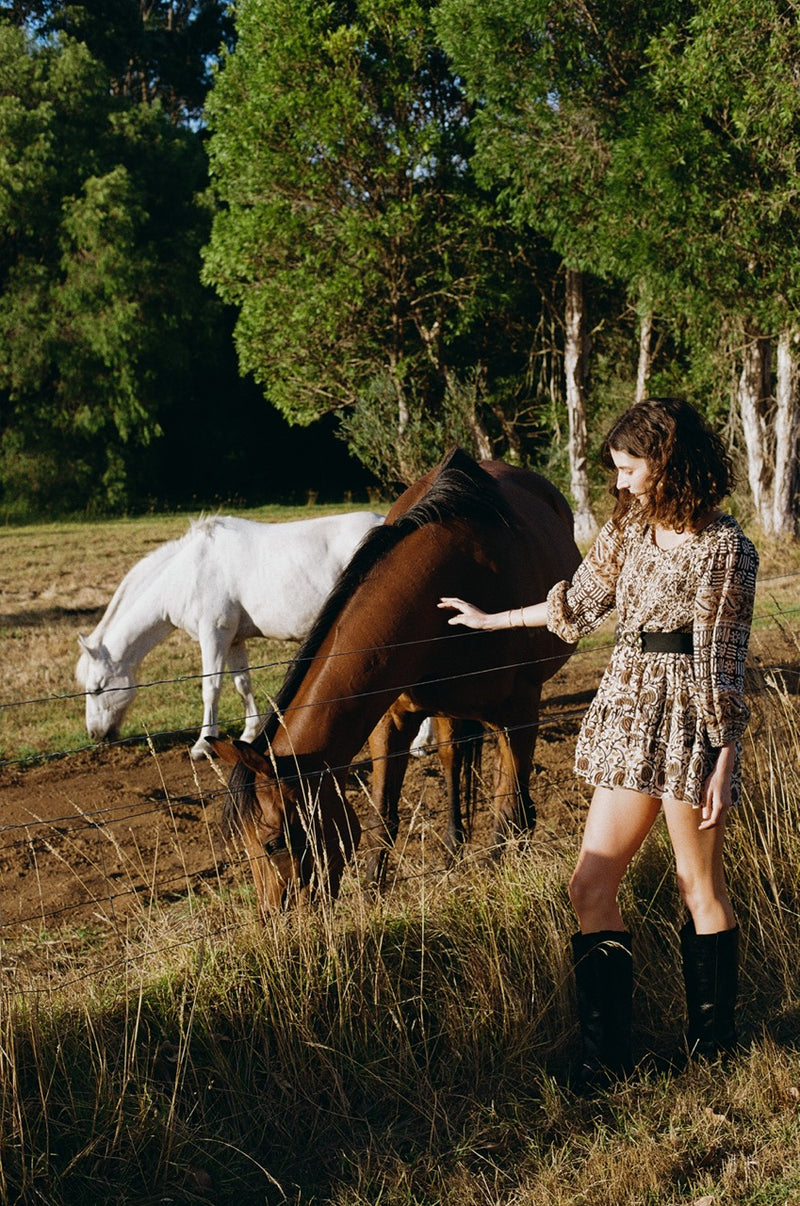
682,538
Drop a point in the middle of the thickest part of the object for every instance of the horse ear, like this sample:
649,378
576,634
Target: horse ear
224,750
240,751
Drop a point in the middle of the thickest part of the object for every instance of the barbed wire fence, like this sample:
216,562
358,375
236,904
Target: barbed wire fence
43,839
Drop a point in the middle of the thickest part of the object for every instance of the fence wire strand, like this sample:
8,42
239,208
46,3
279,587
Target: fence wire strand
257,667
68,825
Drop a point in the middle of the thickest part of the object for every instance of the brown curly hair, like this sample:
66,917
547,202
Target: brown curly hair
690,469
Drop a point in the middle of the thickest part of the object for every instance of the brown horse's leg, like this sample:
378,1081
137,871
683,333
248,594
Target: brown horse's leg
334,838
514,811
389,744
459,746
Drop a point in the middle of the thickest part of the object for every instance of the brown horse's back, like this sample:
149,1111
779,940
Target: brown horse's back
498,562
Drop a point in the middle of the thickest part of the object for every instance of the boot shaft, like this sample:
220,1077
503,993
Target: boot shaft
710,972
603,966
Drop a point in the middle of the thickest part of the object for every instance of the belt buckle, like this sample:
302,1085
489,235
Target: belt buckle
631,638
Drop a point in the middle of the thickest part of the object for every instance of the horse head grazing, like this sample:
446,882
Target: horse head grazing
271,833
109,688
492,533
294,839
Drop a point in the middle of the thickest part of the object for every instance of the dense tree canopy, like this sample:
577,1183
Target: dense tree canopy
98,294
714,171
159,50
369,270
656,146
427,223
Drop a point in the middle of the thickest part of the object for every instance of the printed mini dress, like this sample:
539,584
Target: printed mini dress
658,719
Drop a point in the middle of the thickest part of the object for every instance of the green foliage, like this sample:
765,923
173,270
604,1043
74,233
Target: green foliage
396,186
325,170
715,167
351,236
159,51
556,84
656,146
369,429
100,300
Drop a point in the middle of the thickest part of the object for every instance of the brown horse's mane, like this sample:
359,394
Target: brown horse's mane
461,490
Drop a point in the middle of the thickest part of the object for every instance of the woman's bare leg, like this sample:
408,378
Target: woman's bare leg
618,822
698,861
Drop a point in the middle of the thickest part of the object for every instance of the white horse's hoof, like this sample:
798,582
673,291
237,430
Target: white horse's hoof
200,750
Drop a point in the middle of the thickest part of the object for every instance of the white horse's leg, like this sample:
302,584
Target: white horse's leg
237,661
213,648
425,739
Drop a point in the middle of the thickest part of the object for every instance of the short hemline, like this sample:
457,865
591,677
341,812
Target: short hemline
654,795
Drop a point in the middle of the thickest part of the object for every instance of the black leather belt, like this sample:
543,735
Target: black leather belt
655,642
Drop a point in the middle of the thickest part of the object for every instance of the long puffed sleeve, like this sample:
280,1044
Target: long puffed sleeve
722,616
578,607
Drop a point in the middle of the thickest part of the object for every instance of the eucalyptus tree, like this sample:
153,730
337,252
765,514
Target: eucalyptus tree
365,264
716,170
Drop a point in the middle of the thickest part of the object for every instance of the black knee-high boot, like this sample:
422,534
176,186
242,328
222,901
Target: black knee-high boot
710,973
603,964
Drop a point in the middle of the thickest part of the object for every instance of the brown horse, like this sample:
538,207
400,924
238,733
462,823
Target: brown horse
495,534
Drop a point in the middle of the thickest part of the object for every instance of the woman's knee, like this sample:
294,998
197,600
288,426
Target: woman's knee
588,889
700,892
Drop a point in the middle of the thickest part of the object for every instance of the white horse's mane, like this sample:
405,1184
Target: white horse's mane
206,525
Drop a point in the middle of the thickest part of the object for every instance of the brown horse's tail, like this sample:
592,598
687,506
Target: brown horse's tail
471,754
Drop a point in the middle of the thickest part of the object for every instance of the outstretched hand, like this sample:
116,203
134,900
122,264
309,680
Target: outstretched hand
467,614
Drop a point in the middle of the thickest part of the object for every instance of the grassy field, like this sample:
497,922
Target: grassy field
403,1051
56,581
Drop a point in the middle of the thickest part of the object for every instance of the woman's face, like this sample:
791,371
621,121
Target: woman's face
633,472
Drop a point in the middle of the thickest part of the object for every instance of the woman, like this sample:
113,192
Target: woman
664,729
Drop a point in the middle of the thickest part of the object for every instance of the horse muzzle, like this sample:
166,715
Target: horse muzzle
105,734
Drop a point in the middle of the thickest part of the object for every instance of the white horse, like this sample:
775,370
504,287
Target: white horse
224,581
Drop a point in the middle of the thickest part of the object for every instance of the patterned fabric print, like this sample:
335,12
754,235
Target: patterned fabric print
658,718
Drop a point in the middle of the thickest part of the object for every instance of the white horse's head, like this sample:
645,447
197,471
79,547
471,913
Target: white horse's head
109,687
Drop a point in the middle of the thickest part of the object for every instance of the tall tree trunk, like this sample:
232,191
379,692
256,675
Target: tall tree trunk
787,433
481,438
576,348
753,394
645,353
